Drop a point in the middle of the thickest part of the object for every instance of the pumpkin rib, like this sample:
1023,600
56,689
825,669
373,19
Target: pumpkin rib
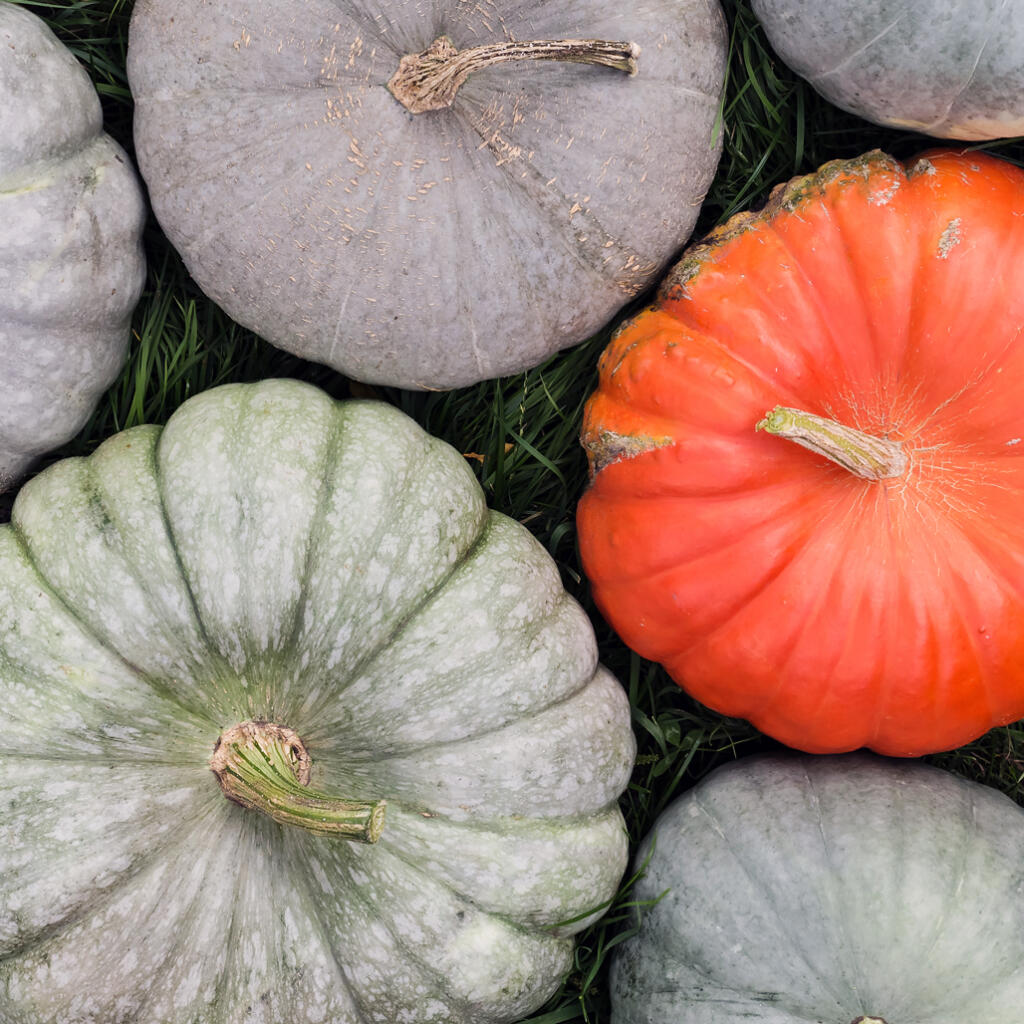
794,527
521,714
161,489
541,774
306,881
433,456
839,350
528,903
815,76
197,721
401,625
967,609
857,975
996,26
231,944
315,528
180,699
559,611
594,254
709,330
515,184
768,698
753,877
426,968
958,878
111,893
520,926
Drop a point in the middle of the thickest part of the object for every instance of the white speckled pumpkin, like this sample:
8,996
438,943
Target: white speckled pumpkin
948,68
509,217
412,797
840,890
71,263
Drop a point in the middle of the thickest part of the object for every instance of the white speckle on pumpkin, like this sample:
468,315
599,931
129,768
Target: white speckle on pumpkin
950,237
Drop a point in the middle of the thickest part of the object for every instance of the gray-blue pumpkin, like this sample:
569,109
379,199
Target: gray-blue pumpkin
943,67
841,890
431,249
71,262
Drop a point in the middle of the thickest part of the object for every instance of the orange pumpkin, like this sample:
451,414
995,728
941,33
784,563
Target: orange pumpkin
863,586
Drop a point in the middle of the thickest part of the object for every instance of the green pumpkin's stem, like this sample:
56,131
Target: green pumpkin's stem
868,1020
864,455
266,767
429,80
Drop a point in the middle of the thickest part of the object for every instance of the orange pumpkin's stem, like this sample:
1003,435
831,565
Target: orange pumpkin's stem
864,455
429,80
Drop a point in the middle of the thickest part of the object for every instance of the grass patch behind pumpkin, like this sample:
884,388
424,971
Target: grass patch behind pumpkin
519,433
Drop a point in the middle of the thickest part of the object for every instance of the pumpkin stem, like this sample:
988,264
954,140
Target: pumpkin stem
430,80
864,455
868,1020
266,767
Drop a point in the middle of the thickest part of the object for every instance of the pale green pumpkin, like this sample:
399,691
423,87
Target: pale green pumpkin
828,891
273,555
71,262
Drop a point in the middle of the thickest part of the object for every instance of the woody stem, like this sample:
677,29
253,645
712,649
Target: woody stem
429,80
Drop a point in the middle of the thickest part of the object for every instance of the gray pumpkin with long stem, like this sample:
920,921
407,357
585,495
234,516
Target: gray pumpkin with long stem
71,262
430,195
294,730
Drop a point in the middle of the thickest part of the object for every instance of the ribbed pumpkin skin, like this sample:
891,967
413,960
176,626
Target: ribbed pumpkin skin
831,611
437,249
943,67
271,554
71,262
828,889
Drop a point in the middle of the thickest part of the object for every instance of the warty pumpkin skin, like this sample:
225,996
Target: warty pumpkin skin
435,249
942,67
849,890
273,556
71,262
831,610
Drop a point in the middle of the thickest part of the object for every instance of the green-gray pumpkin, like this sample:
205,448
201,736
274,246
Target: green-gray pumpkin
71,263
948,68
829,891
509,219
273,560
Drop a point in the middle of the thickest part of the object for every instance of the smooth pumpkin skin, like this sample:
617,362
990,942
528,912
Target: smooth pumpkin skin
828,889
943,67
431,250
71,261
831,611
274,554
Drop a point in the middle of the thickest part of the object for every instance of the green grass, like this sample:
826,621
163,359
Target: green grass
519,433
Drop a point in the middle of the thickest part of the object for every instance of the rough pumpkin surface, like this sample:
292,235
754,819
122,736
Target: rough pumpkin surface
423,250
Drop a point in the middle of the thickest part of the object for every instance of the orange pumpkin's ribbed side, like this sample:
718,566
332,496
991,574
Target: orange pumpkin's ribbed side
833,612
